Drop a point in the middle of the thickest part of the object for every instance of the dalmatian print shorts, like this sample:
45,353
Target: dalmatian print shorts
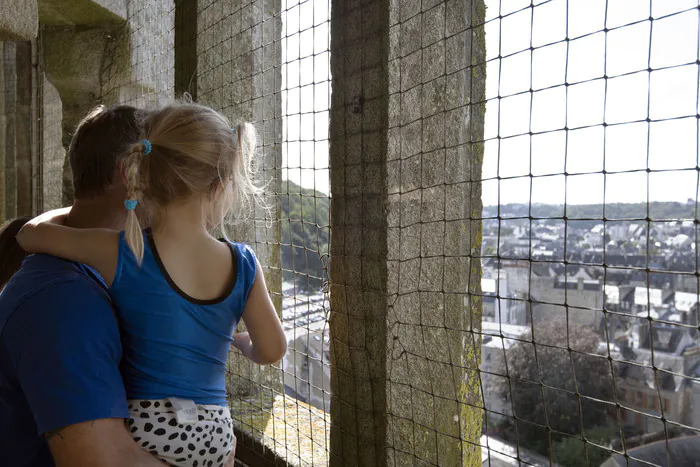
208,442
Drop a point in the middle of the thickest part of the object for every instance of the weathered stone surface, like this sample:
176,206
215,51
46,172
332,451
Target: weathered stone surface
73,61
82,12
3,131
9,64
423,401
125,57
53,152
19,20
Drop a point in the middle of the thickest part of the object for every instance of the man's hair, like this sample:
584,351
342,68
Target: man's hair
100,140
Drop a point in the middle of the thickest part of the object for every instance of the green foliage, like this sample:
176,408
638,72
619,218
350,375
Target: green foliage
305,235
572,452
544,382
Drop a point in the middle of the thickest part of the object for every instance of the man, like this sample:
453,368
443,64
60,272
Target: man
62,400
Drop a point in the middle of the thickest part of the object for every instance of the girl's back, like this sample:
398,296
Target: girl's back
176,333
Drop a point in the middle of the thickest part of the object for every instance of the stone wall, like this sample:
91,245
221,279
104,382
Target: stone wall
19,129
108,52
52,151
3,132
18,19
139,64
406,158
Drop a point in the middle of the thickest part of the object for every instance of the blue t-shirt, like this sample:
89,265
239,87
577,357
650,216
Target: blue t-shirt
59,356
175,345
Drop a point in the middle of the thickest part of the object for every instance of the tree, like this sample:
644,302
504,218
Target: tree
572,452
546,380
305,226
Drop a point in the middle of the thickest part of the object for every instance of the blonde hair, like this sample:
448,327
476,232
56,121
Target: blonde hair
194,151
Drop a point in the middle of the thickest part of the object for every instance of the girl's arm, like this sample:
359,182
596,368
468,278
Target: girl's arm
97,248
265,342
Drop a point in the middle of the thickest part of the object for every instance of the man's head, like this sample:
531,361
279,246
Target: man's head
98,144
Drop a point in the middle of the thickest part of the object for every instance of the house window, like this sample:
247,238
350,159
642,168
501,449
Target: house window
667,405
638,398
656,404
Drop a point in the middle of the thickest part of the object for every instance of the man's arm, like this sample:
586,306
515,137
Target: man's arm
98,443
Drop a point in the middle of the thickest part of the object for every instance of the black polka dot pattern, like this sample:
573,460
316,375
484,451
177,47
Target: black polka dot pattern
207,442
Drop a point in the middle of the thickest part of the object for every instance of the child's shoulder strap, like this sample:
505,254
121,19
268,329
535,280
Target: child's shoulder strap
247,265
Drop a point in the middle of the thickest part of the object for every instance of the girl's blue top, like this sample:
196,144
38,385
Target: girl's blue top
175,345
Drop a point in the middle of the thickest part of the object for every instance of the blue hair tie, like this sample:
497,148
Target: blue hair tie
130,204
233,129
147,147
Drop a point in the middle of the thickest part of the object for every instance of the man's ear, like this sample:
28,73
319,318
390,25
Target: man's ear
122,171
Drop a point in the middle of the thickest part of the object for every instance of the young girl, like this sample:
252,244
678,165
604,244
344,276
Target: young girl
178,291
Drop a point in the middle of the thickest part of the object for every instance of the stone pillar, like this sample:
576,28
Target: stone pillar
239,74
10,91
53,153
186,48
406,148
3,123
106,52
73,59
26,125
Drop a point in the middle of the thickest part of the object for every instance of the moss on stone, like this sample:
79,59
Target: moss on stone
293,430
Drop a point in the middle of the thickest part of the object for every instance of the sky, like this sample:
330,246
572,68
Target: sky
306,92
668,45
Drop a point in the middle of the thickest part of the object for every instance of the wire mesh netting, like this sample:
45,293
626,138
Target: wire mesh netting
590,331
268,62
558,325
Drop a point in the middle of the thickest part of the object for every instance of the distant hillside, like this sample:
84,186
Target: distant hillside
306,225
655,210
305,234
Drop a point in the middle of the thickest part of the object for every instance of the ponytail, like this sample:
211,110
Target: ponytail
11,254
136,170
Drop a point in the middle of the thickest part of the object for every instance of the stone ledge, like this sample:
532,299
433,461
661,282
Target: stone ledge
19,20
285,432
81,12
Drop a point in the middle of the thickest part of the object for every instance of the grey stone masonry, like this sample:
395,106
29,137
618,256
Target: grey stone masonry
9,62
19,20
406,148
82,12
106,52
239,73
3,133
53,153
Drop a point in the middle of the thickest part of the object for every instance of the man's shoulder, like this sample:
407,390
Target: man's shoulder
41,278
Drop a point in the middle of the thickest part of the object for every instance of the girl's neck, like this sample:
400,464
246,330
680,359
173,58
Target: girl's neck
181,221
